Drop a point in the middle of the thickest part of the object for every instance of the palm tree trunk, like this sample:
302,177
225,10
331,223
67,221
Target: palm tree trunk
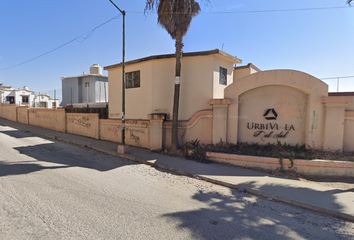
179,47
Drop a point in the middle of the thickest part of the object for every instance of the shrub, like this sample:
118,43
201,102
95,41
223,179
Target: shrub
195,151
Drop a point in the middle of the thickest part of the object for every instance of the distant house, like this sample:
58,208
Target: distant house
85,88
44,101
21,97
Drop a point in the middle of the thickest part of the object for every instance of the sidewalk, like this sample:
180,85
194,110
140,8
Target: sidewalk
317,197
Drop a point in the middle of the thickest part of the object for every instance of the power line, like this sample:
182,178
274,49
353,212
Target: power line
79,39
264,11
279,10
84,37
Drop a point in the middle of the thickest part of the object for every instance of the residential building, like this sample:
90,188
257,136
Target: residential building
45,101
21,97
85,88
244,71
150,84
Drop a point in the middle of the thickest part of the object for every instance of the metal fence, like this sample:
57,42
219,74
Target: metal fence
340,84
53,93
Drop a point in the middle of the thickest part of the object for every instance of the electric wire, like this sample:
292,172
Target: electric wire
79,39
84,37
263,11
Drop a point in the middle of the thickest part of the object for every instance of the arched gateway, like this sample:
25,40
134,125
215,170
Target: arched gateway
282,105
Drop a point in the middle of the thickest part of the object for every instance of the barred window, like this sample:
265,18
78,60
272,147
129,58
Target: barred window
43,104
24,99
223,76
132,79
10,99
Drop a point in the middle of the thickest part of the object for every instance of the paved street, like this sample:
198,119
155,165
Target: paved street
53,190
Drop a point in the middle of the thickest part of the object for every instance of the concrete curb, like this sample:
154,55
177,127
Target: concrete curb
316,167
199,177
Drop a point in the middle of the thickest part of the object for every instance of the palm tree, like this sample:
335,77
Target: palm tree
175,16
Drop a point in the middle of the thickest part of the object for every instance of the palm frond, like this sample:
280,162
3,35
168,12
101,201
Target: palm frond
176,15
151,5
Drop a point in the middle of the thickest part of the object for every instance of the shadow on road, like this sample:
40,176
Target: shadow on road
65,155
17,133
238,217
22,168
326,199
72,156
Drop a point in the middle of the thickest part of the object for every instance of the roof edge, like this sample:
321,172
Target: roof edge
87,75
249,65
188,54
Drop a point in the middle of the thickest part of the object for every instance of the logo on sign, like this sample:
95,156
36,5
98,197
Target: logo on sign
270,114
270,130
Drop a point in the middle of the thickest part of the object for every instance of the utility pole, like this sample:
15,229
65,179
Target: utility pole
123,77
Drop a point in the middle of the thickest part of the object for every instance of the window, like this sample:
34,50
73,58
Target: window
223,76
132,79
54,105
43,104
10,99
24,99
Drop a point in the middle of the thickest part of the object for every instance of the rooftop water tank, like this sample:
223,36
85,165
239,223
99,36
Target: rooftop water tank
96,69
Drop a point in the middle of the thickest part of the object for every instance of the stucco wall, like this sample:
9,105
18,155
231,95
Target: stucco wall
157,78
298,84
200,127
196,85
22,115
218,89
163,86
111,130
83,124
137,100
348,144
8,111
136,133
241,73
48,118
350,107
290,106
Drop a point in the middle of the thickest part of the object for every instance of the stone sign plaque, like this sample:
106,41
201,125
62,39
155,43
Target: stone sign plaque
272,113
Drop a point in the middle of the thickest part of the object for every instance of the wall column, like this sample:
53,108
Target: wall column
156,130
220,116
333,136
349,132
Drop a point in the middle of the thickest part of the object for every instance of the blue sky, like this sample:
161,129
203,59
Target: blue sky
272,34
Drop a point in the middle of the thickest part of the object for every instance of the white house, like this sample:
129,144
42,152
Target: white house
45,101
21,97
85,88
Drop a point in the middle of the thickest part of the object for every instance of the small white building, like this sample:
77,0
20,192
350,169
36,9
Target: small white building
21,97
45,101
85,88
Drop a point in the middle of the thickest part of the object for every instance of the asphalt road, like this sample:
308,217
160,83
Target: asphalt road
52,190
